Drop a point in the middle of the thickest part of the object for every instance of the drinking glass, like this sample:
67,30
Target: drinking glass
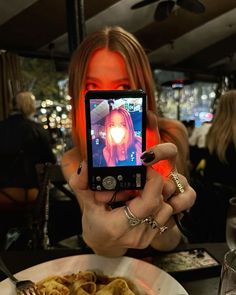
231,224
228,274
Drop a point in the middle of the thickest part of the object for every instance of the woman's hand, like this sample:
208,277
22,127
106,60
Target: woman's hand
176,190
108,232
180,201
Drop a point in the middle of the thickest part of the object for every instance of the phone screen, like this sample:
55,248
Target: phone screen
116,139
116,127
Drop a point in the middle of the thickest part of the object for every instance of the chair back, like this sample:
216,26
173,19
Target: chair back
40,212
28,223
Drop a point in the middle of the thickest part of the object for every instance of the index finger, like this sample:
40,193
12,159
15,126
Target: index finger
150,197
162,157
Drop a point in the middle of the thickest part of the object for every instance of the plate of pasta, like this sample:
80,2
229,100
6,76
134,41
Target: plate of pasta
97,275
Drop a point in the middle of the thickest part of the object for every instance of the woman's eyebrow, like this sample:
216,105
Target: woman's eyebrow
115,81
92,78
122,80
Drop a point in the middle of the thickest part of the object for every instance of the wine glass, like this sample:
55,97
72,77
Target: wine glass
227,284
231,224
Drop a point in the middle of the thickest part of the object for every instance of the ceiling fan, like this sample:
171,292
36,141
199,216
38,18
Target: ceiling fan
165,7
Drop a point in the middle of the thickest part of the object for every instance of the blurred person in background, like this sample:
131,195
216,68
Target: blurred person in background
198,136
190,126
216,183
23,144
197,144
221,142
113,59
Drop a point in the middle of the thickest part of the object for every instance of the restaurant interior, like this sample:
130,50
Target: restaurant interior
191,46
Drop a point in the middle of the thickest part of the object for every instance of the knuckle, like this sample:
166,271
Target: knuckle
169,209
173,148
193,196
142,243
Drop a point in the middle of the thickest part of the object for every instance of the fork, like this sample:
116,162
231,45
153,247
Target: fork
25,287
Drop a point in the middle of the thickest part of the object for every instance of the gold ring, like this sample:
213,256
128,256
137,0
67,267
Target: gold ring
174,176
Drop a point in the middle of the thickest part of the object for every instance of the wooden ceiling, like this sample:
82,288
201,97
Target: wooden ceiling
197,43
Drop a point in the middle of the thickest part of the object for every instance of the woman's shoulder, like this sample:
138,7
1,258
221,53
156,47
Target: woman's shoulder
70,162
174,131
72,154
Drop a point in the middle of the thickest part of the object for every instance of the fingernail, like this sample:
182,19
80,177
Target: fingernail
79,169
148,157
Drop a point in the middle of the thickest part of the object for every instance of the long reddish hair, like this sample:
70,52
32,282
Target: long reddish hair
140,75
138,67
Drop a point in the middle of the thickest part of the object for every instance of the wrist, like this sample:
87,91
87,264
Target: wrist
103,250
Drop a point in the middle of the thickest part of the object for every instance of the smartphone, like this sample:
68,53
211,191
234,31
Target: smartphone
116,138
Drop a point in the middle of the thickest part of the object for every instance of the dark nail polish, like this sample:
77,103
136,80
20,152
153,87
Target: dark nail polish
148,157
79,169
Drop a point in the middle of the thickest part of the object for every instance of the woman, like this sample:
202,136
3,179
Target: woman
122,147
217,184
112,58
221,142
24,143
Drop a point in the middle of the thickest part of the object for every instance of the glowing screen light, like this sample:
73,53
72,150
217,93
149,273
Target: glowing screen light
117,134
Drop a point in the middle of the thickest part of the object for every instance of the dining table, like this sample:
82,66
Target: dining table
204,284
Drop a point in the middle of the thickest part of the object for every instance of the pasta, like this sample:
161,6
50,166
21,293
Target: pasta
86,283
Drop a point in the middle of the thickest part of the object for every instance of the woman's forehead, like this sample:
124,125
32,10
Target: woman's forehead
104,60
117,116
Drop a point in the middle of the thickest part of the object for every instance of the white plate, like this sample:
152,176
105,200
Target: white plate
148,278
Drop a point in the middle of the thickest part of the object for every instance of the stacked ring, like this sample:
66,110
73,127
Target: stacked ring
134,221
